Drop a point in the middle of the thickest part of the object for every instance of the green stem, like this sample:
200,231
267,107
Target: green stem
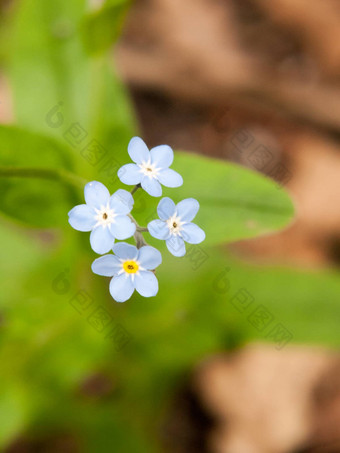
43,173
138,236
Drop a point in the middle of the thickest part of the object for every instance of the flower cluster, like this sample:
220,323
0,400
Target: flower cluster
108,218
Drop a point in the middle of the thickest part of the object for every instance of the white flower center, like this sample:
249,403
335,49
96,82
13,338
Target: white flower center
149,169
104,216
175,225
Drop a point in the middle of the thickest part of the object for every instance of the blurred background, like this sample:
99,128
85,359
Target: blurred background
238,352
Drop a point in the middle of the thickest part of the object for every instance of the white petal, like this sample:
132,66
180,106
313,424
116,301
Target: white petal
149,257
187,209
125,251
170,178
123,228
138,150
162,156
176,246
122,201
146,284
130,174
82,218
101,240
107,266
121,288
159,229
166,208
96,194
192,233
151,186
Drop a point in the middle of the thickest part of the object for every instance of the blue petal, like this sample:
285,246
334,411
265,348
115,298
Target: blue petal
162,156
166,208
96,194
121,288
130,174
138,150
125,251
101,240
149,257
151,186
187,209
176,245
121,201
170,178
192,233
82,218
159,229
122,227
146,284
108,266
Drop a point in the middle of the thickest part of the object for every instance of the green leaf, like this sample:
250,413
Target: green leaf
36,201
101,28
236,203
48,64
61,91
13,412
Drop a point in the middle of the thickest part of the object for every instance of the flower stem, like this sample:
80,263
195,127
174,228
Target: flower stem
142,229
43,173
138,236
137,186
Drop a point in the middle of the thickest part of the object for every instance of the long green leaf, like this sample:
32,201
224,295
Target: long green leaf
236,203
36,201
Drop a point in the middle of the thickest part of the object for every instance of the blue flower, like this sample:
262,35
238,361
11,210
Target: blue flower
131,269
104,215
151,168
175,225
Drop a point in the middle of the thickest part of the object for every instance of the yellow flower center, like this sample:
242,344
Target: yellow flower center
131,267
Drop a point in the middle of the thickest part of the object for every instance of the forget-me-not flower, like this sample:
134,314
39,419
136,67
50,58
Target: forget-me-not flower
131,269
175,224
151,168
104,215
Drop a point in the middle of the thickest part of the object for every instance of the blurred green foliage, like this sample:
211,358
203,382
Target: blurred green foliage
102,27
69,101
